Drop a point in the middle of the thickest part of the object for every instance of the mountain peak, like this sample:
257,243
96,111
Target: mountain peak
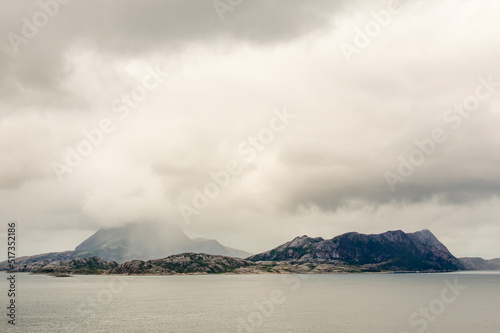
300,237
142,241
147,241
424,231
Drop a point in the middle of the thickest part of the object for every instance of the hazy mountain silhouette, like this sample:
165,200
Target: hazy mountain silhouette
135,241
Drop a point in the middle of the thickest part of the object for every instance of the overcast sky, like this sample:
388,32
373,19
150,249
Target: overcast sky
333,116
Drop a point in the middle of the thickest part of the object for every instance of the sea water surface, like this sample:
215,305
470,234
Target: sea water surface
450,302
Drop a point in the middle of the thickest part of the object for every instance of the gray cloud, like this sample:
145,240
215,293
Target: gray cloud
130,29
322,175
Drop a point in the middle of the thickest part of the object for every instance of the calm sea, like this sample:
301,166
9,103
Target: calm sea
455,303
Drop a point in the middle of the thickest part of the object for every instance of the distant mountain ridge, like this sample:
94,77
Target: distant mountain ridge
134,241
148,241
392,250
127,250
480,264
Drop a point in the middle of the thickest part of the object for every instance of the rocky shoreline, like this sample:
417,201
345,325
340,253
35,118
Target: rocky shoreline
196,264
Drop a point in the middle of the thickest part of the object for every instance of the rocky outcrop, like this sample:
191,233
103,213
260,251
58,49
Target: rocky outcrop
186,263
32,263
93,265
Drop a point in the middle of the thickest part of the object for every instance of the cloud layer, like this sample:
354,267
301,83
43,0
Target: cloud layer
356,120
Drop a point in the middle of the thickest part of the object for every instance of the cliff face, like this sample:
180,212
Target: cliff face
392,250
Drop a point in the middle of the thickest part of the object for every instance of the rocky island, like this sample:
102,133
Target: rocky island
392,251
